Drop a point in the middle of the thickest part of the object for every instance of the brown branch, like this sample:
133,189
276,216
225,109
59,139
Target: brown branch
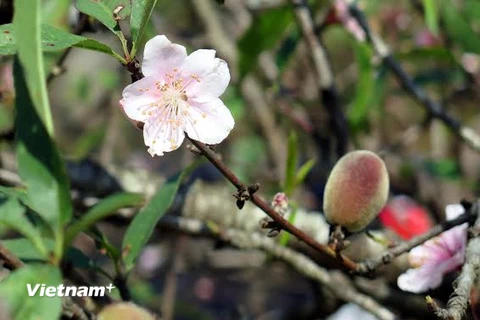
371,265
10,260
283,223
435,109
459,300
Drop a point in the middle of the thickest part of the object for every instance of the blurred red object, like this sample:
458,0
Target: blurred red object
405,217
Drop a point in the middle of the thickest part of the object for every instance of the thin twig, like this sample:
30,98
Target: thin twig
328,91
10,260
371,265
458,302
435,109
340,285
283,223
250,87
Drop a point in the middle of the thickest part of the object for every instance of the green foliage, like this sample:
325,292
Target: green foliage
265,32
141,11
292,162
459,29
14,291
431,14
472,10
358,112
55,12
303,171
52,39
107,12
39,164
285,237
103,209
444,168
142,226
12,215
26,22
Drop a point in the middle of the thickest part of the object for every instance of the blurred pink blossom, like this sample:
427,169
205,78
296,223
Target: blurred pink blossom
7,90
436,257
179,94
280,203
343,15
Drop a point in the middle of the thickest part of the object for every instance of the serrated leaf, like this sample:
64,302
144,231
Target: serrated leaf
141,12
265,32
12,215
103,209
458,28
26,21
14,292
142,226
291,167
431,15
39,163
52,39
105,11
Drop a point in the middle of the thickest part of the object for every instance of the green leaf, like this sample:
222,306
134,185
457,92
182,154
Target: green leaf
26,21
14,292
444,168
39,164
102,210
12,215
52,39
142,226
285,237
25,250
265,32
472,10
358,112
106,11
141,12
458,29
431,15
303,171
7,41
291,167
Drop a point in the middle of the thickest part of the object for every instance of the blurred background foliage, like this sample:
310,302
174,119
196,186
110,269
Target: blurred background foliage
436,42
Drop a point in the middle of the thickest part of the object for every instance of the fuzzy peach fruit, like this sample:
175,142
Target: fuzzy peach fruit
356,190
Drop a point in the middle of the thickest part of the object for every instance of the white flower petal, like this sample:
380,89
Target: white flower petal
138,97
162,136
209,123
452,211
351,311
161,56
211,75
421,279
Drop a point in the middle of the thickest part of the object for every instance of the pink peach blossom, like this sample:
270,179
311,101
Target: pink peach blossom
179,94
436,257
352,26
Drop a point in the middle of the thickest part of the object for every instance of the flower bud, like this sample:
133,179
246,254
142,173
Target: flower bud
124,311
356,190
